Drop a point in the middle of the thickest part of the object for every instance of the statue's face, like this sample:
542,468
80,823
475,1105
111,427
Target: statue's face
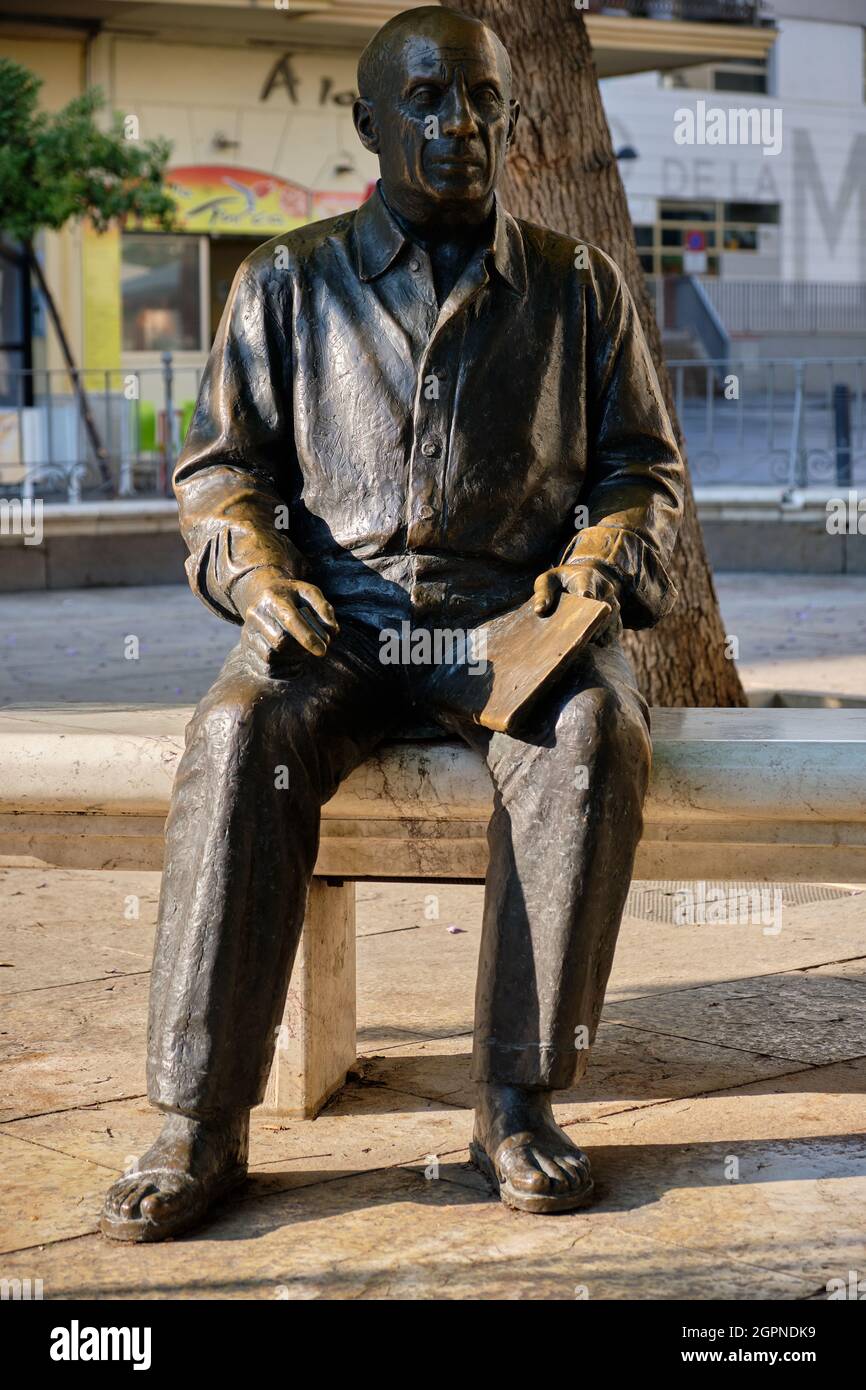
442,120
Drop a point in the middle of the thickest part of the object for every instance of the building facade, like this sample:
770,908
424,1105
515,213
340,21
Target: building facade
792,208
257,104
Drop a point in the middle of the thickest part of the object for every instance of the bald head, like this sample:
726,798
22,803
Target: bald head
430,21
435,107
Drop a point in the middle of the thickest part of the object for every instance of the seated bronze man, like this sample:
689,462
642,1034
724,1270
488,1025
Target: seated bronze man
403,409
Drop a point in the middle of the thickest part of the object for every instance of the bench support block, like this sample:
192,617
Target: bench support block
316,1041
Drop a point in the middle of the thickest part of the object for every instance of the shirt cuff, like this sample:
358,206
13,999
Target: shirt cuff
648,593
228,555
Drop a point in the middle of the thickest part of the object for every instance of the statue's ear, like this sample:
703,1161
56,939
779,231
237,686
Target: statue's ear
365,124
513,118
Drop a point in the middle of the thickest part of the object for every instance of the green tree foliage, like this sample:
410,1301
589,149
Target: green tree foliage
55,167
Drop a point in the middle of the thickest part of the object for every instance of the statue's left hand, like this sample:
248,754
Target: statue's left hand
585,580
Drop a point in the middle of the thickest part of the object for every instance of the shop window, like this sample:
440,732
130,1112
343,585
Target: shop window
688,236
16,382
741,238
675,211
764,214
161,293
736,75
644,238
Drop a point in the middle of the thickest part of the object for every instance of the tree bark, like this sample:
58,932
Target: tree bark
93,434
563,173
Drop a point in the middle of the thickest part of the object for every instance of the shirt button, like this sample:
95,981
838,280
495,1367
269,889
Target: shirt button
426,513
430,448
414,265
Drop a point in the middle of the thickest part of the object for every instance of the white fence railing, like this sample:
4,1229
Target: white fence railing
755,422
141,418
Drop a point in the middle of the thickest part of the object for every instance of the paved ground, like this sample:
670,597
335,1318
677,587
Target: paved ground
795,633
802,634
729,446
723,1110
723,1113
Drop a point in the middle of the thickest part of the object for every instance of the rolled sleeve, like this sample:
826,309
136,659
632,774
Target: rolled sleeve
239,443
635,477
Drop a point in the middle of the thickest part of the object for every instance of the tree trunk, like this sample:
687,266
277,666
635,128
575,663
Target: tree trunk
563,173
93,434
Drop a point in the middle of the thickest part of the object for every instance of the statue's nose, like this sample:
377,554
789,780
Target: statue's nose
458,118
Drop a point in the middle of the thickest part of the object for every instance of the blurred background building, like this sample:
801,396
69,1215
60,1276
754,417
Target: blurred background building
778,240
757,260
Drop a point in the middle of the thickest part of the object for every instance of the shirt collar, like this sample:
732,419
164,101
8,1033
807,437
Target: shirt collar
379,239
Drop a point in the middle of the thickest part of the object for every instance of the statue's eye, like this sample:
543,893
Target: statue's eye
425,94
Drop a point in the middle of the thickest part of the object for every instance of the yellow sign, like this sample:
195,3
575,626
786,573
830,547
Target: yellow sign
101,300
222,199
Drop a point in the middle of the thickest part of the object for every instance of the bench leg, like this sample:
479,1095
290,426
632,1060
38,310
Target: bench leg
316,1042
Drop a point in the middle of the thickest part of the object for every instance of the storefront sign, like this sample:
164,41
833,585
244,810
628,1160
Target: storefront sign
219,198
283,77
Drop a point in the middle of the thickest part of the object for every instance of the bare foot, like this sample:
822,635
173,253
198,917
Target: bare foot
521,1149
190,1167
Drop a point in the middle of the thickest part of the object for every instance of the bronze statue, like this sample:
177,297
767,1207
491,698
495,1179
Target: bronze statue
404,410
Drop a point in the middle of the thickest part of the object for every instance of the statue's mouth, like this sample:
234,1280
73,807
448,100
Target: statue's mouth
458,161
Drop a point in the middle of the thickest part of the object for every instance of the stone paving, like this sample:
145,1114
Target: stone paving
723,1109
723,1112
798,633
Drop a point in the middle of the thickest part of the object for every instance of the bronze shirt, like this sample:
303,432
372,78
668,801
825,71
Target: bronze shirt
425,462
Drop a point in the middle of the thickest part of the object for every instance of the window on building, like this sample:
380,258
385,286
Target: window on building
732,75
685,230
16,383
161,293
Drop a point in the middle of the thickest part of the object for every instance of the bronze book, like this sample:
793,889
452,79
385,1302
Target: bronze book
512,660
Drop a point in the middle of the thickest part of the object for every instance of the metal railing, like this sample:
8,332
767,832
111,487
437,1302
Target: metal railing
764,306
791,422
750,422
696,314
141,417
782,306
690,11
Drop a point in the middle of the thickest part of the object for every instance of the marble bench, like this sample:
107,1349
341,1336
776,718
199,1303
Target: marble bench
774,795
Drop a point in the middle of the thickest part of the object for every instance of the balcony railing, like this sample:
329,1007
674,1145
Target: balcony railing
794,422
765,306
690,11
141,418
774,306
788,421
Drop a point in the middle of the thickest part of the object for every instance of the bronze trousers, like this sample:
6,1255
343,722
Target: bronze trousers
264,753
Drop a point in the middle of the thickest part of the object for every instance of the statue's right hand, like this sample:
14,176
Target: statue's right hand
280,613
